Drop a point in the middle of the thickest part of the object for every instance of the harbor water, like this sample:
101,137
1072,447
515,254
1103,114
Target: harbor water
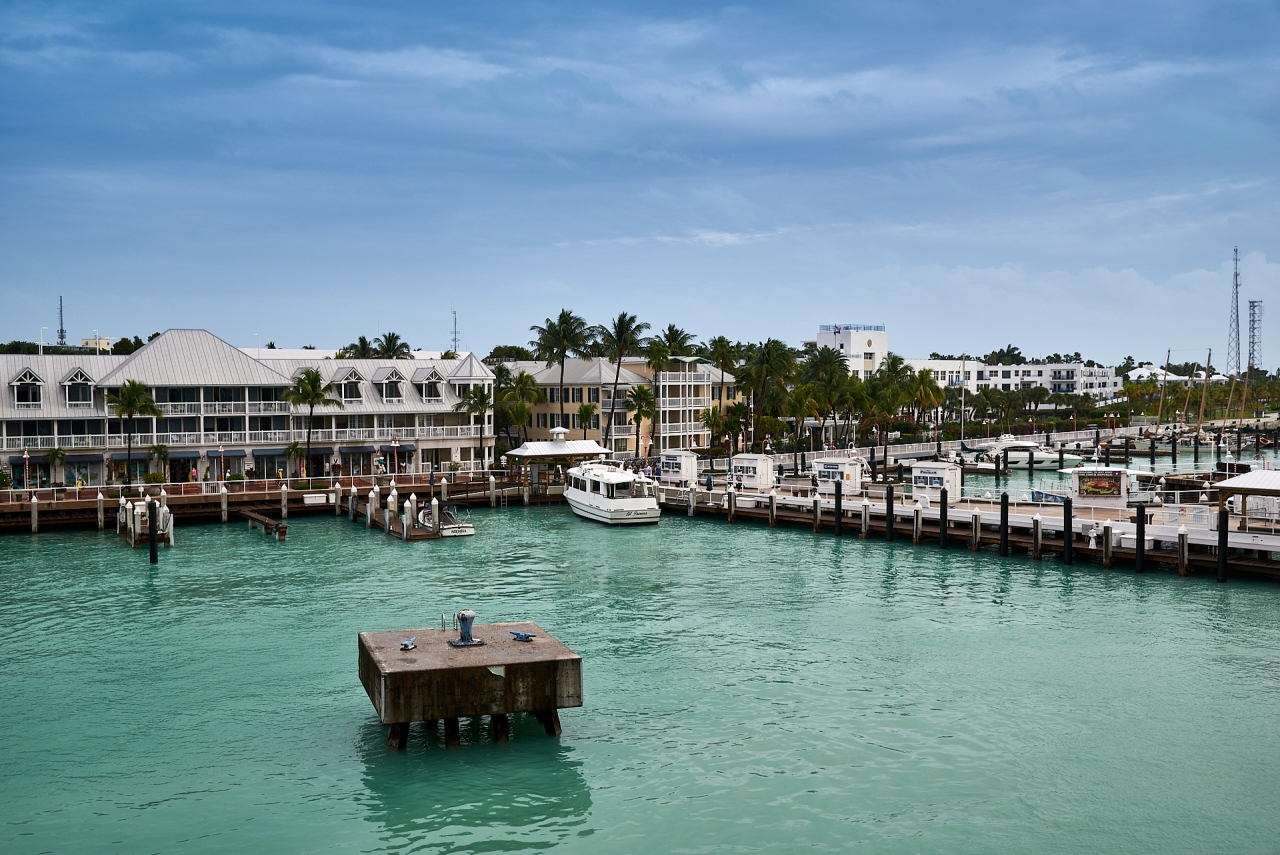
746,689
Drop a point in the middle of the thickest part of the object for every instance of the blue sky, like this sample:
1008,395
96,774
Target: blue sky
1072,177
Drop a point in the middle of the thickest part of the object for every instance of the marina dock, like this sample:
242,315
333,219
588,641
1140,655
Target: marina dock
435,682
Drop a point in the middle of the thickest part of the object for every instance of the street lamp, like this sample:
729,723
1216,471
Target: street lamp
222,463
26,468
395,454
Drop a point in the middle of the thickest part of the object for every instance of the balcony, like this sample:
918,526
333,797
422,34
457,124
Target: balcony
79,405
225,407
21,442
167,439
28,405
180,409
224,437
269,407
340,434
140,440
285,436
682,377
683,403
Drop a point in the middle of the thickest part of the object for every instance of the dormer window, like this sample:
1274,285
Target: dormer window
391,391
28,390
390,384
350,391
430,391
79,395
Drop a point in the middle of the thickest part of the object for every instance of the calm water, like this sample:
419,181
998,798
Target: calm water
746,690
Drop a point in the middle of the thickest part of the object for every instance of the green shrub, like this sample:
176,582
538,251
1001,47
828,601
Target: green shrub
5,480
153,478
235,476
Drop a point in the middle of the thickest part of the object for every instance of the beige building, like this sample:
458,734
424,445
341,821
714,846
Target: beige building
688,386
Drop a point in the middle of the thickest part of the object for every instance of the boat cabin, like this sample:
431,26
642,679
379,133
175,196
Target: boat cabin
929,477
678,467
610,482
752,472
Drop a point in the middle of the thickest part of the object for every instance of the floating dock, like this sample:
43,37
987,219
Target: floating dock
435,681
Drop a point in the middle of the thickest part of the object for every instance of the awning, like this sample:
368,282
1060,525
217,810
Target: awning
320,451
404,446
121,456
357,449
268,452
214,455
83,458
184,455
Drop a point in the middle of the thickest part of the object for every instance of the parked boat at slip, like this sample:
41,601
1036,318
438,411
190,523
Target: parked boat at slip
608,493
1021,451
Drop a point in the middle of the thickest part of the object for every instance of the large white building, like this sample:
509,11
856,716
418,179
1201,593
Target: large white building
950,373
864,345
222,412
1059,378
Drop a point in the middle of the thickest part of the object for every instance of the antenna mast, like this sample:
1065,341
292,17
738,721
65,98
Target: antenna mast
1255,333
62,332
455,330
1233,322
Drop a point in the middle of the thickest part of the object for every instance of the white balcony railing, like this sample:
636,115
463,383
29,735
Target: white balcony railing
79,405
28,405
140,440
269,407
224,437
683,377
224,407
277,436
189,408
340,434
683,403
168,439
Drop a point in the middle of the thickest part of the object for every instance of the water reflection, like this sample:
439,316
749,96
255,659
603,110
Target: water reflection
528,793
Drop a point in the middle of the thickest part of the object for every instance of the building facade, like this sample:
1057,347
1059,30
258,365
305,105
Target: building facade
1058,378
682,391
223,413
863,345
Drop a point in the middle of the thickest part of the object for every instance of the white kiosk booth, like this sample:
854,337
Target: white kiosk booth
678,467
929,477
752,472
846,470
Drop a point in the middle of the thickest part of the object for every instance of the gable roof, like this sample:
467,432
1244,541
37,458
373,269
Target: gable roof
387,372
76,375
469,366
26,375
175,357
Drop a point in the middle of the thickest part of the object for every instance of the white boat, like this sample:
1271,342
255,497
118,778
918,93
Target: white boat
607,493
1020,452
452,523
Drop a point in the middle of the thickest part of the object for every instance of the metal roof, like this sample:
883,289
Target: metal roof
579,372
193,358
1257,482
551,448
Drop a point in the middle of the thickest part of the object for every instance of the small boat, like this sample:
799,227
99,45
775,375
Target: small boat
607,493
452,521
1020,453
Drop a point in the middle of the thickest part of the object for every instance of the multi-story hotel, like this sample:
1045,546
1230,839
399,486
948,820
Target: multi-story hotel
687,387
222,412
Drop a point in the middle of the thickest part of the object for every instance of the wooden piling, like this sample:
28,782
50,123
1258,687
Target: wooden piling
975,538
866,519
773,509
1004,524
337,498
839,516
1068,533
917,524
1036,537
1140,544
1107,546
1224,524
284,501
153,524
398,735
223,495
888,512
501,727
35,514
817,513
102,513
452,733
731,498
1184,550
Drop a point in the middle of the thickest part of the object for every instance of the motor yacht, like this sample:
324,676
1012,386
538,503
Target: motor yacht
1020,452
607,493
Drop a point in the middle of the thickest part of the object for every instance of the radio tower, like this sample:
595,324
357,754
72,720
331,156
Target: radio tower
1255,333
455,330
62,332
1233,323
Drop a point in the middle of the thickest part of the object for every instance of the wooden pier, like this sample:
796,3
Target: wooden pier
269,526
435,681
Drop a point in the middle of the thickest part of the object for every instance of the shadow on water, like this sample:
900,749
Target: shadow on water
525,794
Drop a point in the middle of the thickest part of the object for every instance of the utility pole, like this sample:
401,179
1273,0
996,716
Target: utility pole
1233,322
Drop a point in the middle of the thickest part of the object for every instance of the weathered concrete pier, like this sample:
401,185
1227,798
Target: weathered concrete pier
434,681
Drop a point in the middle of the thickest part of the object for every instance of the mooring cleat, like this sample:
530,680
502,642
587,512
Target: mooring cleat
522,636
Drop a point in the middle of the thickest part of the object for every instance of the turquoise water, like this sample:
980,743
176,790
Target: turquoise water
746,690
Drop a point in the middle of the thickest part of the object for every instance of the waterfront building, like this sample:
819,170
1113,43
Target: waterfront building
951,373
1059,378
685,387
864,345
223,413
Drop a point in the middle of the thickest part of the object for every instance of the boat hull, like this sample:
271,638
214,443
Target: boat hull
633,512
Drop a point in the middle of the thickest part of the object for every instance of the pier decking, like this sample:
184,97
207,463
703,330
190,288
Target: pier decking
435,681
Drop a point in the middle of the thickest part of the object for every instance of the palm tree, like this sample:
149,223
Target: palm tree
924,391
133,400
295,451
477,402
519,392
586,412
391,346
310,391
799,405
53,458
520,414
724,355
770,361
678,342
557,340
623,337
361,348
641,404
159,453
735,420
713,420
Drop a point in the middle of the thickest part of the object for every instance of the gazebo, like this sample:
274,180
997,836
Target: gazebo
559,447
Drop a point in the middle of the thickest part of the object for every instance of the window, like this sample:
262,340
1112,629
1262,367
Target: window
431,390
27,396
542,420
593,395
1004,375
869,357
351,391
577,394
595,422
79,395
461,389
391,391
731,392
620,418
553,395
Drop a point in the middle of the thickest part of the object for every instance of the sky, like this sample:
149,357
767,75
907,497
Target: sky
1062,177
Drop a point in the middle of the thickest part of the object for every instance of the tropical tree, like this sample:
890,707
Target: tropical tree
678,342
477,402
735,420
361,348
924,392
55,458
391,346
520,414
131,401
159,453
713,420
517,398
449,354
309,390
1007,355
297,452
723,355
586,412
557,340
799,405
642,405
769,362
622,337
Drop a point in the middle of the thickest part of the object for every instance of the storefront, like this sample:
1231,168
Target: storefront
83,470
184,466
398,459
224,464
318,462
357,459
137,464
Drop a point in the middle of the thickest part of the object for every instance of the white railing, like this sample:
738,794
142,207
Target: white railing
275,436
28,405
168,439
223,407
121,440
684,403
353,433
180,409
225,437
269,407
31,442
684,377
79,405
